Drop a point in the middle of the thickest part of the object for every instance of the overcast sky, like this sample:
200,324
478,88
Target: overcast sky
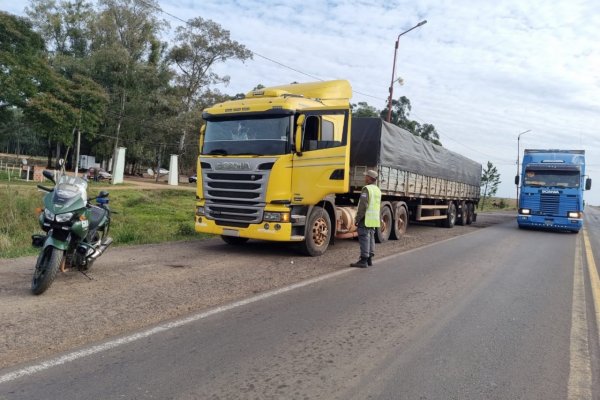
480,71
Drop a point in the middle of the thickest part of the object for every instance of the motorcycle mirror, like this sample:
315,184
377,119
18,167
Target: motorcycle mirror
49,175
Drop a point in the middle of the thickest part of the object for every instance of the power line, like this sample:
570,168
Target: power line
311,76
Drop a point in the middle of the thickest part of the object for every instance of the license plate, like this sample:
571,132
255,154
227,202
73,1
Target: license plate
231,232
549,221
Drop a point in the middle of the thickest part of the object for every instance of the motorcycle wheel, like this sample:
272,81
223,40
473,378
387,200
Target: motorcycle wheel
46,268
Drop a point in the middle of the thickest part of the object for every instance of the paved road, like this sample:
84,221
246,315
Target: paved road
497,314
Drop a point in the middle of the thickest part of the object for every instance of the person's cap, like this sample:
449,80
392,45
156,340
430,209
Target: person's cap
372,174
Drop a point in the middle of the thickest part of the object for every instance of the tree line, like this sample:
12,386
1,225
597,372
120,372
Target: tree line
103,69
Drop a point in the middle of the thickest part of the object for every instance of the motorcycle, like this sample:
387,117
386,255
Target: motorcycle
76,232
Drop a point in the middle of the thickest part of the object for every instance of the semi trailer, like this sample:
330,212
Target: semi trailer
287,164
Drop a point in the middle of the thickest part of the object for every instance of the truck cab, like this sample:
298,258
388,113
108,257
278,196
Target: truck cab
551,196
272,161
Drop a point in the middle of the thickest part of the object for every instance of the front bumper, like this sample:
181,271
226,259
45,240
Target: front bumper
261,231
548,222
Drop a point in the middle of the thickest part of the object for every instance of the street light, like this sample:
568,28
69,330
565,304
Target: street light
518,155
389,115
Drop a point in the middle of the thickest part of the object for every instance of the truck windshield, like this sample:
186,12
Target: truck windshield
261,136
568,179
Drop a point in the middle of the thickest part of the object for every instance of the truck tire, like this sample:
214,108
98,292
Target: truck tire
469,213
234,240
400,223
382,234
317,234
464,212
450,216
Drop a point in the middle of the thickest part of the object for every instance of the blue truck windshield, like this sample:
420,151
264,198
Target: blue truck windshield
261,136
565,179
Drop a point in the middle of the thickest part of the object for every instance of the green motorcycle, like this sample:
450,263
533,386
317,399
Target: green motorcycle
76,231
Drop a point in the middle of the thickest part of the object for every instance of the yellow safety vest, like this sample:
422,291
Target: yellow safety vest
372,218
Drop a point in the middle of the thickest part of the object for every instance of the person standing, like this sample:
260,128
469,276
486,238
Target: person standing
367,219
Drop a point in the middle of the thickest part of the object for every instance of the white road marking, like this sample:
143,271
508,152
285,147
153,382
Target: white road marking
75,355
160,328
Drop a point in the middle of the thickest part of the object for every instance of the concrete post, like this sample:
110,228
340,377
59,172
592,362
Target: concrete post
174,171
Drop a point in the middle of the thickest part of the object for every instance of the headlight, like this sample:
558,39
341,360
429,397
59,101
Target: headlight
573,214
276,217
48,214
64,217
525,211
200,210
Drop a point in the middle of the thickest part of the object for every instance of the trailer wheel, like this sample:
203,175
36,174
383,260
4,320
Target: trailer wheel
451,216
318,233
470,213
400,223
382,234
464,213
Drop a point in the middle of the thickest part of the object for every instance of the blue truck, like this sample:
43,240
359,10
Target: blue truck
552,188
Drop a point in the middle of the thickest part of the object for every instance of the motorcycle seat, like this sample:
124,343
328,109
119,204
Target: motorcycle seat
96,216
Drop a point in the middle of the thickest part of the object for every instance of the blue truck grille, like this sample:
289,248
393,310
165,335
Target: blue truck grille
550,204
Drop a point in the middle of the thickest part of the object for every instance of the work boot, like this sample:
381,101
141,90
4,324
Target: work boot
370,259
361,263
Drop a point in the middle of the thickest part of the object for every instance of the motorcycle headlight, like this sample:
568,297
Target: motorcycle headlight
48,214
64,217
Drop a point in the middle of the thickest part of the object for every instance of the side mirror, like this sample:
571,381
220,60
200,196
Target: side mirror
588,183
298,136
201,138
61,162
49,175
516,179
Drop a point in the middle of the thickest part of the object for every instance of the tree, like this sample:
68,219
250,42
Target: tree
490,179
65,25
363,109
199,45
126,61
428,132
400,112
23,66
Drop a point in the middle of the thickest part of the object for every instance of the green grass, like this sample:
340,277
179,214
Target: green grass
143,216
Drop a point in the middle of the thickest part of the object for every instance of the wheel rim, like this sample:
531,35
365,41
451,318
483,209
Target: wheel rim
320,232
385,223
401,222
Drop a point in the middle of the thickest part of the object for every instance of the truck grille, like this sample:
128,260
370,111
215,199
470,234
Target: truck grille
235,198
550,204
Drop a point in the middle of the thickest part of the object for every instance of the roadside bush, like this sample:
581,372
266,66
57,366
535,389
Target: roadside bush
186,229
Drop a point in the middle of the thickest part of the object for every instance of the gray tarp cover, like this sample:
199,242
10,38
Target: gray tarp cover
376,142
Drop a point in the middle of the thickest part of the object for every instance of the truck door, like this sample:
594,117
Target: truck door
322,153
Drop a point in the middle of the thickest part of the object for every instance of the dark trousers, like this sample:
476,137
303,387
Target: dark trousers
366,239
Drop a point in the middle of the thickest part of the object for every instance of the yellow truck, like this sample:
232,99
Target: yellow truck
287,164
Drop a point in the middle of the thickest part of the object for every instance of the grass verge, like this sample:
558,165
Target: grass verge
143,216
